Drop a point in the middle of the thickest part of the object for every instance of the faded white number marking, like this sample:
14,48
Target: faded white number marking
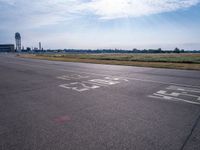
104,82
89,84
80,87
177,93
185,89
70,77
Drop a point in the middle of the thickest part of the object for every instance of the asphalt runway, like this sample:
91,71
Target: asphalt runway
47,105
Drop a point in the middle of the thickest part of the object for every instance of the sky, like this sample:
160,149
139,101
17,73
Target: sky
98,24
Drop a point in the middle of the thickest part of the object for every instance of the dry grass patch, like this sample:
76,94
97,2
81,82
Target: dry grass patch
172,61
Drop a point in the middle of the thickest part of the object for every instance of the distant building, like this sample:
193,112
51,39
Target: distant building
7,48
35,48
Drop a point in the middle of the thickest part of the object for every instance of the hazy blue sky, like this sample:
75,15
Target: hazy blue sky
102,23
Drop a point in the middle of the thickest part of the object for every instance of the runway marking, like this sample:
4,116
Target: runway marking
136,79
79,86
72,76
184,89
173,99
82,86
178,93
90,73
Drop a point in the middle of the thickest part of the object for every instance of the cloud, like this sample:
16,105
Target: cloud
34,14
9,2
112,9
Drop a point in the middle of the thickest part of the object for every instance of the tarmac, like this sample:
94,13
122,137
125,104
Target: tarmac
52,105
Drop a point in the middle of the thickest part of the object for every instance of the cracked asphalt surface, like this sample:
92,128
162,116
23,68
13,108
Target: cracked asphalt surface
46,105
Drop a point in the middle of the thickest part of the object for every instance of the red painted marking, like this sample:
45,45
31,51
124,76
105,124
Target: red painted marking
62,119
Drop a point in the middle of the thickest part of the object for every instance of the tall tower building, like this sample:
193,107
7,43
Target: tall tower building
18,41
40,46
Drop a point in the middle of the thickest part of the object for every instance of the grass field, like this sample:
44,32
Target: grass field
173,61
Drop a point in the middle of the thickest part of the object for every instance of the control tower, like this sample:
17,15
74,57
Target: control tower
40,46
18,41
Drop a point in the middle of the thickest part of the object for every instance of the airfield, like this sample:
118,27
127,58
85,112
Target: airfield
53,105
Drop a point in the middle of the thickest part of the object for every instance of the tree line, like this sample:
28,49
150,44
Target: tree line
159,50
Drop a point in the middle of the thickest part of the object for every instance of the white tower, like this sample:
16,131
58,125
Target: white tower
40,46
18,41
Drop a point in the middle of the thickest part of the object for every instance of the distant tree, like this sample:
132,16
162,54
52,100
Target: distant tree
182,51
28,49
135,50
176,50
159,50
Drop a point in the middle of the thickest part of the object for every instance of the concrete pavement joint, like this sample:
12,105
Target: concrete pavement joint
191,132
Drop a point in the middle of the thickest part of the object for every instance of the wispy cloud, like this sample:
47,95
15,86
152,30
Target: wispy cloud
27,13
112,9
78,23
39,13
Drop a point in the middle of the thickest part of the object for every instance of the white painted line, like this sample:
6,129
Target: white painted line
173,99
90,86
184,89
73,87
73,76
165,93
190,95
161,92
65,86
79,86
95,83
62,78
177,99
105,82
116,79
175,94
